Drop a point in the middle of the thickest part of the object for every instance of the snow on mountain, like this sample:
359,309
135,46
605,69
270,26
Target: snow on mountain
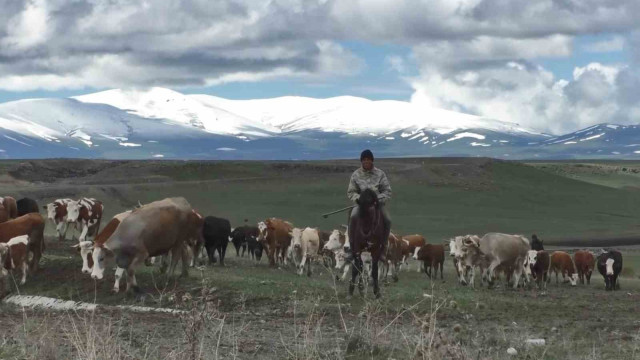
161,123
160,103
354,115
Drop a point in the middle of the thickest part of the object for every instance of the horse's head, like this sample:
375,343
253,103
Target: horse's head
367,202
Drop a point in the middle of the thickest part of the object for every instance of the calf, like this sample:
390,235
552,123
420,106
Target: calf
411,242
275,236
561,262
16,251
609,266
305,245
255,248
394,257
216,232
538,264
584,261
86,212
431,255
32,225
57,213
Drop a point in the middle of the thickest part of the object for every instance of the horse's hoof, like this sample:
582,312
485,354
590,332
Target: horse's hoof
378,296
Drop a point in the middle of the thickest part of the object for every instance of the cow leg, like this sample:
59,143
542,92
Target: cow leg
176,254
588,278
83,234
222,252
59,227
185,260
302,263
116,285
356,270
374,270
345,271
24,270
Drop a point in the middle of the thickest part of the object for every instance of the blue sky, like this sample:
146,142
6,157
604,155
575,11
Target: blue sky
549,65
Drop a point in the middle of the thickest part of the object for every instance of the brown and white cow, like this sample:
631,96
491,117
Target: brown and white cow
431,255
8,208
538,263
32,225
156,229
305,244
57,213
412,242
16,251
396,252
585,262
85,248
86,212
561,262
275,236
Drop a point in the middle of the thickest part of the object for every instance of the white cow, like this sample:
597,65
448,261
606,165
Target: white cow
305,244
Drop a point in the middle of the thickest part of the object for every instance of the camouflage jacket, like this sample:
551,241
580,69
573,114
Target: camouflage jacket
375,180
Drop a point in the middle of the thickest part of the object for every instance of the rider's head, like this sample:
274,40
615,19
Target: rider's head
366,158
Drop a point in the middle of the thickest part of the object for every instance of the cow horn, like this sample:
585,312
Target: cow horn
75,246
139,203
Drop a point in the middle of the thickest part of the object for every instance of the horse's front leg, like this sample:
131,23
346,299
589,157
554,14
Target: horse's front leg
374,270
356,268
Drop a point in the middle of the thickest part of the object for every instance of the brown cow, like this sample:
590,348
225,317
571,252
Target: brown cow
561,262
30,224
538,262
275,237
412,242
432,255
395,254
585,262
16,255
156,229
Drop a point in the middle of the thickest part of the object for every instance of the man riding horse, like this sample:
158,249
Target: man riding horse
370,177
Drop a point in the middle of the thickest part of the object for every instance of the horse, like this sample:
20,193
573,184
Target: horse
366,233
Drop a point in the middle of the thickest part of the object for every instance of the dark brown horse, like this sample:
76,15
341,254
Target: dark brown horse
366,233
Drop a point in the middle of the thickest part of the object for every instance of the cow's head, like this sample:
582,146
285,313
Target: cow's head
573,279
334,241
85,248
262,228
100,256
609,266
532,258
415,252
73,211
296,238
4,252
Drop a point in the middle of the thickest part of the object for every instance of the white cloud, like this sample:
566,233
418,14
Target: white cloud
396,63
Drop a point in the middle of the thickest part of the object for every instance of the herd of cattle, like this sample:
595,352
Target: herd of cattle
173,230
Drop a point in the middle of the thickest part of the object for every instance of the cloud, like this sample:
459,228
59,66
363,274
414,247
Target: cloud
476,56
614,44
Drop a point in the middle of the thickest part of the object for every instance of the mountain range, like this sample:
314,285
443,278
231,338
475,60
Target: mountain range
161,123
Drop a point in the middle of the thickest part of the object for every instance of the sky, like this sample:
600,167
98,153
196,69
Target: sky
549,65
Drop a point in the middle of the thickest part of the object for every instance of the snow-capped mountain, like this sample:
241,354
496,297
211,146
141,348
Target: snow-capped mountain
161,123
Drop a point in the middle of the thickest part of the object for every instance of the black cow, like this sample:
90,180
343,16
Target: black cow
610,273
240,236
536,244
255,247
216,232
26,206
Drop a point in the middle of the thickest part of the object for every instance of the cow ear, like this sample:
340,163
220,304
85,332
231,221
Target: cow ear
44,206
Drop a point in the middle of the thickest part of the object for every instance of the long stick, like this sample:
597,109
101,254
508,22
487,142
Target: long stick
337,211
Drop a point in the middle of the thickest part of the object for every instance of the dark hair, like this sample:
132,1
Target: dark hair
367,154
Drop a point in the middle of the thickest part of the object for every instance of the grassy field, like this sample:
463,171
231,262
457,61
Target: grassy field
247,310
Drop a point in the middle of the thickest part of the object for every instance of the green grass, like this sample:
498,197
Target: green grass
439,198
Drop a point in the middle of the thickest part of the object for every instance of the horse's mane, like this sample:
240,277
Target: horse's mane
368,198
